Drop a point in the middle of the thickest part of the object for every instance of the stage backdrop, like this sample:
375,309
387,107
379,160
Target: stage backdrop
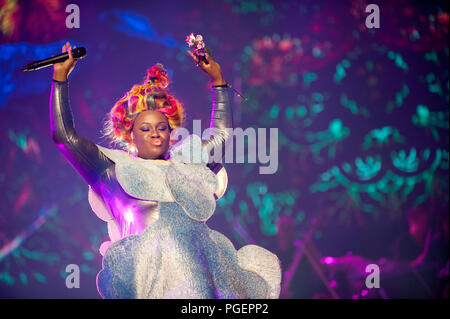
362,116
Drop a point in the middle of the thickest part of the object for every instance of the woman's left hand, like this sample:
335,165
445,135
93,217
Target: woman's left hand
212,69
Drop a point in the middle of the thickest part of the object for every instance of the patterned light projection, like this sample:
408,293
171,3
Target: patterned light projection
362,118
20,19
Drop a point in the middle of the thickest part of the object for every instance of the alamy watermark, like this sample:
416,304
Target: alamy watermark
373,19
259,146
73,19
373,279
73,278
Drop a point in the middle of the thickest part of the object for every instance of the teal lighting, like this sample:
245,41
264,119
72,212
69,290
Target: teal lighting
369,168
309,77
405,162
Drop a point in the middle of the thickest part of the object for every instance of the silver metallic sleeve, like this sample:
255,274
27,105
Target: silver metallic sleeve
81,153
221,119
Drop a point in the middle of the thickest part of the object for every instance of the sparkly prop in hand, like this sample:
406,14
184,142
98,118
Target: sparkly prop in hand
199,47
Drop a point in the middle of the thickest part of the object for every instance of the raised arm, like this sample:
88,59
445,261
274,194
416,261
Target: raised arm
82,154
221,119
221,114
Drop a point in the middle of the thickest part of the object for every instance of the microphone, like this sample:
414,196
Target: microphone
77,53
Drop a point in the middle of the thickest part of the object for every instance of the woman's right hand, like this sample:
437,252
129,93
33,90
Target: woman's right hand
62,70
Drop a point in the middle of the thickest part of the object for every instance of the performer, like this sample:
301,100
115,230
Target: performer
156,200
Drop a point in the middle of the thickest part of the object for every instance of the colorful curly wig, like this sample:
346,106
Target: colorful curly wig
150,95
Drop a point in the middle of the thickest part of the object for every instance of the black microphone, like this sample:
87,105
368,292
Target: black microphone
78,53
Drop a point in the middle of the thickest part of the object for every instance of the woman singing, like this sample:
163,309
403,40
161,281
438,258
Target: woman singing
156,200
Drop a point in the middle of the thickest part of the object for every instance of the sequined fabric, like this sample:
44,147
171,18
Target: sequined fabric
177,255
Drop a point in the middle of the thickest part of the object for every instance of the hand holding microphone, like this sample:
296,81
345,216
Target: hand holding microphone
62,70
67,59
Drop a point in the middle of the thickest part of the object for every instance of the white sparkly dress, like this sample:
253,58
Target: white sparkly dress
156,213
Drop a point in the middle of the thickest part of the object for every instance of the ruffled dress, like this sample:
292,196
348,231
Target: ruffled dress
177,255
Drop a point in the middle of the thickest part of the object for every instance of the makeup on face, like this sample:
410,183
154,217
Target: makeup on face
151,134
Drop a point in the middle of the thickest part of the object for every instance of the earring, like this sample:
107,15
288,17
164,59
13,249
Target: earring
132,147
132,150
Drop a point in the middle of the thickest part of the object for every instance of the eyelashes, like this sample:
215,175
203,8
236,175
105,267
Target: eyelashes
160,129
